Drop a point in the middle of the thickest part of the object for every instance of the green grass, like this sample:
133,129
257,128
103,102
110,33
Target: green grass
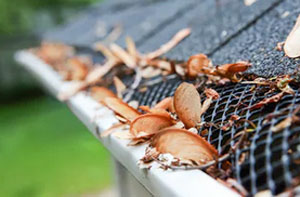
46,151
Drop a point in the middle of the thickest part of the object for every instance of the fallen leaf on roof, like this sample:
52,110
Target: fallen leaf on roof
131,48
101,93
123,55
200,64
108,54
187,104
121,108
197,63
185,145
292,43
229,70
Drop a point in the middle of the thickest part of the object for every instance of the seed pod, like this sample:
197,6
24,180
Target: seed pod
184,145
187,104
150,123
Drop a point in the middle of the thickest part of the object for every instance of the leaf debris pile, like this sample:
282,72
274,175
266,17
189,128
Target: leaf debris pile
171,127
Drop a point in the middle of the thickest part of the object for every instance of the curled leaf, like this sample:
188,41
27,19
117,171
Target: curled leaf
292,43
150,124
121,108
185,145
197,64
101,93
229,70
187,104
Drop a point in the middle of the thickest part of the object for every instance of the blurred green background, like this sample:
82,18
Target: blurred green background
44,149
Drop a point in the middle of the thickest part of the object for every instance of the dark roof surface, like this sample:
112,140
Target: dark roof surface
227,30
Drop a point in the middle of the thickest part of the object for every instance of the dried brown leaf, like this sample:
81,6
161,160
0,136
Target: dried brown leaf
166,103
77,68
199,63
187,104
112,129
206,104
272,99
131,48
292,43
120,86
185,145
121,108
101,93
106,52
150,123
123,55
229,70
161,64
150,72
54,53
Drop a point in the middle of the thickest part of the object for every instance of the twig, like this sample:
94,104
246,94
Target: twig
202,167
178,37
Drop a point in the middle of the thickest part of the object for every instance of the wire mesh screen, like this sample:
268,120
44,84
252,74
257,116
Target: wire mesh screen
270,160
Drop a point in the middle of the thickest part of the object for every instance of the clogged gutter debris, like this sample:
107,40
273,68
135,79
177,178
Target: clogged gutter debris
171,127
